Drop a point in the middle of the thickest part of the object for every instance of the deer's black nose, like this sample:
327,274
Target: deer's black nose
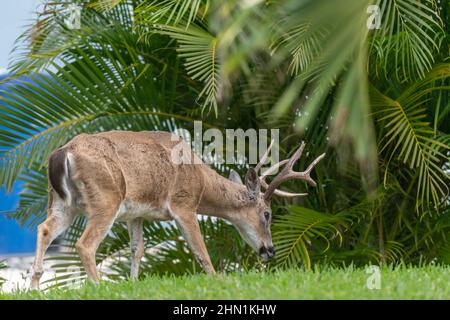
267,251
271,252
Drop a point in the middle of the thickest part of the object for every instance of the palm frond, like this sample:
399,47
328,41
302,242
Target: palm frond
198,48
304,44
411,138
44,112
410,34
172,12
295,232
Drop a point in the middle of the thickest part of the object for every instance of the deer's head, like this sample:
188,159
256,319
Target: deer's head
255,219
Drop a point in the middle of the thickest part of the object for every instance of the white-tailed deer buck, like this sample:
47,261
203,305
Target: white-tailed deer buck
131,176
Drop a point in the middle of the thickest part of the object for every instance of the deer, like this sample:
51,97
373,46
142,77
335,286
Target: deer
126,176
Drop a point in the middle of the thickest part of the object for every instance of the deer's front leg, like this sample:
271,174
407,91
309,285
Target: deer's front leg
188,223
135,229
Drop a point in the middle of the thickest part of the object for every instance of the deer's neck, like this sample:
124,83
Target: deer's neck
222,197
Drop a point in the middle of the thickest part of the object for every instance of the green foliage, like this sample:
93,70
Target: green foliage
294,233
410,138
198,49
408,39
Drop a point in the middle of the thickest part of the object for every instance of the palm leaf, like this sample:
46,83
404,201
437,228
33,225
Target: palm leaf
172,12
410,35
44,112
198,48
410,138
295,232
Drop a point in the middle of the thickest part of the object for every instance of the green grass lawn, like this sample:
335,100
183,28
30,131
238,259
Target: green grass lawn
430,282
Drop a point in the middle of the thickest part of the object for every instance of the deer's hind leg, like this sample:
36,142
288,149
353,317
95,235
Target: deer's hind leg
59,218
100,221
101,187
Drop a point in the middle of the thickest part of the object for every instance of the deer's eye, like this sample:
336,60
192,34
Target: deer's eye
267,215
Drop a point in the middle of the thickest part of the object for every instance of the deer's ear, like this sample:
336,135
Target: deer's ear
252,183
234,176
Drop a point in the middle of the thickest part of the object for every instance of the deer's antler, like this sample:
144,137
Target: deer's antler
286,174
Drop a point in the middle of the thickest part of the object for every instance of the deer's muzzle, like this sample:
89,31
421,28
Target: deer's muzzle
267,252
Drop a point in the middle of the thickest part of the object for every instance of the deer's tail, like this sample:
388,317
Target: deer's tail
59,173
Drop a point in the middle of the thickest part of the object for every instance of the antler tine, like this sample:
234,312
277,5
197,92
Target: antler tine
291,161
277,192
288,174
282,193
273,168
295,157
264,157
312,165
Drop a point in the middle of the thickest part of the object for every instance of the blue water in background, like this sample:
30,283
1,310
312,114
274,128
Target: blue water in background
14,239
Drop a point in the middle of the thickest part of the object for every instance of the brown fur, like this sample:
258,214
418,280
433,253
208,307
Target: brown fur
110,169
